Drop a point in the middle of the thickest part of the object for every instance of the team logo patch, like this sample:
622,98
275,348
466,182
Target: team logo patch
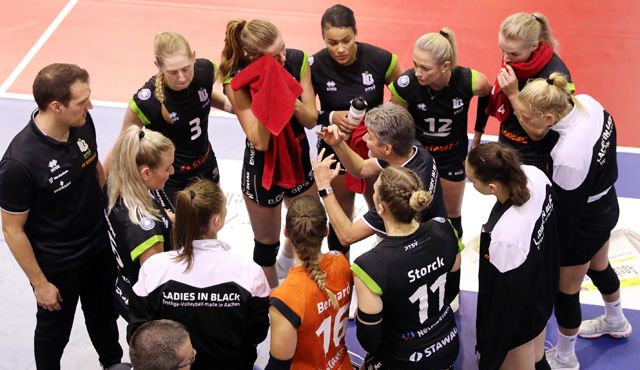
144,94
422,107
403,81
203,95
367,78
335,253
147,223
440,219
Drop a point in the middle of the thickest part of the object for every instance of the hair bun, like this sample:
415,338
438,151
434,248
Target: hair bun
420,200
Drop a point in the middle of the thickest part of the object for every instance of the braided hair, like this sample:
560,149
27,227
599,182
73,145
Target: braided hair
402,192
306,226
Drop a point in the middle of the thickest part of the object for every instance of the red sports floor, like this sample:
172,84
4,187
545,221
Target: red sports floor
599,41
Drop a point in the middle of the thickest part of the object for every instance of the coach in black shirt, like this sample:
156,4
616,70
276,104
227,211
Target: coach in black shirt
53,218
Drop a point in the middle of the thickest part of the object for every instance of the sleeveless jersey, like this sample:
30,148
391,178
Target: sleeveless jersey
189,112
409,273
321,328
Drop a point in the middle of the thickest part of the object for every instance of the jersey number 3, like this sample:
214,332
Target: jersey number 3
196,130
339,328
422,294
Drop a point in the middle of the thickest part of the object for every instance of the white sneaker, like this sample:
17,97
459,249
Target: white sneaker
599,326
557,363
283,264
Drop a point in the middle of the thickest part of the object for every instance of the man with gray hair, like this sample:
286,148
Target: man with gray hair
161,345
391,141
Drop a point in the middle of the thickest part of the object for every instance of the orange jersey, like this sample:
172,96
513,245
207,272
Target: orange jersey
321,328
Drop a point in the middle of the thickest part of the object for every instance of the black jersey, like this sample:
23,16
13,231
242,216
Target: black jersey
297,64
189,112
57,183
129,240
518,272
222,300
337,84
440,116
421,163
584,169
409,274
532,152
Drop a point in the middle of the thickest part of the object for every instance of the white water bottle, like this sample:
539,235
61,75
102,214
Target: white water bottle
357,110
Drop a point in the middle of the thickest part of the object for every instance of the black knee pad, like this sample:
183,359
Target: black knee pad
543,364
457,224
265,254
606,280
334,243
568,311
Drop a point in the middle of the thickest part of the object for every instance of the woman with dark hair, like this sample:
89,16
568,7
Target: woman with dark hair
584,173
518,272
344,70
220,297
404,320
309,310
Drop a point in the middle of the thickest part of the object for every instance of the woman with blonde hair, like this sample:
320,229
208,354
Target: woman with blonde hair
276,164
220,297
518,271
309,310
584,173
529,50
402,283
437,92
176,102
139,213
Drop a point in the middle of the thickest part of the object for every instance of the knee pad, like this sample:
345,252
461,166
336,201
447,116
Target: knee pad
334,243
457,224
606,280
568,311
265,254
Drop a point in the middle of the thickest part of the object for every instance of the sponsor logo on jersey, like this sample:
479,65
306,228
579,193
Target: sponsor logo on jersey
146,223
84,148
403,81
367,78
62,186
144,94
331,86
203,95
458,105
53,164
605,141
422,107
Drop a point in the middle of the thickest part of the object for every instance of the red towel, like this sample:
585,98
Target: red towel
273,95
499,104
357,143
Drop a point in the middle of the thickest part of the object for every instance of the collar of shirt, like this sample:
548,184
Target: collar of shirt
212,244
567,121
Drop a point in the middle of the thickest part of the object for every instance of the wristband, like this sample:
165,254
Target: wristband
324,192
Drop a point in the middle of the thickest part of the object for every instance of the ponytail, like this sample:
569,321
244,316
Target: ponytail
440,45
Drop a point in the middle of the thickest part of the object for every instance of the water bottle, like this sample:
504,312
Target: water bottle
357,110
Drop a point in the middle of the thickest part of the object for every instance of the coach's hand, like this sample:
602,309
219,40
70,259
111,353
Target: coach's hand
48,296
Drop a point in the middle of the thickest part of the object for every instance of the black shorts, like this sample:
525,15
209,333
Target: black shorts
599,218
251,181
450,164
178,181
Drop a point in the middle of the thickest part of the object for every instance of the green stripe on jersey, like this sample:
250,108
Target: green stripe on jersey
227,80
366,279
146,245
305,64
396,95
474,77
392,66
138,112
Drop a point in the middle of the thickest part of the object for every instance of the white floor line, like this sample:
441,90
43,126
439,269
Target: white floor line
37,46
